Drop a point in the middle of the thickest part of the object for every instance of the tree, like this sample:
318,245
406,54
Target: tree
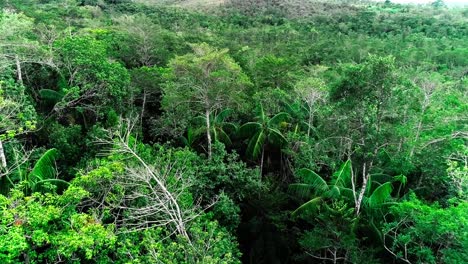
204,81
90,80
311,91
37,228
143,42
263,130
220,128
162,188
423,233
342,186
428,88
334,234
19,45
458,173
332,237
273,72
17,116
438,4
363,96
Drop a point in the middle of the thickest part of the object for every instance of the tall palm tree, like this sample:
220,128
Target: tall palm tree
264,130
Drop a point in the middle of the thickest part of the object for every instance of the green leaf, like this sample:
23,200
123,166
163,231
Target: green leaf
310,207
199,120
303,190
223,115
261,113
230,128
249,129
54,181
222,136
334,192
313,179
256,144
278,118
401,179
276,138
342,177
380,195
44,168
347,193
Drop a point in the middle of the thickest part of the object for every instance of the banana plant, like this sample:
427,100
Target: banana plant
44,172
319,191
264,130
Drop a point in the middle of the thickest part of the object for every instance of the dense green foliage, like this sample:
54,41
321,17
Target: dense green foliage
234,131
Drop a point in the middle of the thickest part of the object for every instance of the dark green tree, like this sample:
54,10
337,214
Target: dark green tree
264,130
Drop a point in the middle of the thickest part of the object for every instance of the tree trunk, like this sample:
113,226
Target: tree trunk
416,137
3,163
208,132
18,70
311,116
261,161
365,179
405,120
143,109
424,107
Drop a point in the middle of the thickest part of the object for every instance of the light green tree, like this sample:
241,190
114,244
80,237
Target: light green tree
204,82
311,91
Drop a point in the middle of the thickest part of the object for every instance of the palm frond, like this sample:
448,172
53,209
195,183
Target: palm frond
221,117
334,192
342,177
311,178
230,128
190,139
293,108
256,144
308,208
194,134
260,113
44,168
278,118
222,136
380,195
276,138
377,231
249,129
347,193
199,120
381,177
302,190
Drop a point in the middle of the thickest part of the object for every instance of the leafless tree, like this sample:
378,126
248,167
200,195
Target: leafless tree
312,91
152,192
427,88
